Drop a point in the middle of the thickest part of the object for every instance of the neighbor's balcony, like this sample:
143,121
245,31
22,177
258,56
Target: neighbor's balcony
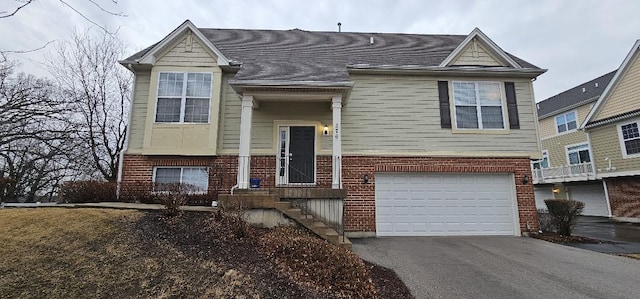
567,173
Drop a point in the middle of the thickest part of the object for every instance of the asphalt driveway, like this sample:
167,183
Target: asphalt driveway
501,267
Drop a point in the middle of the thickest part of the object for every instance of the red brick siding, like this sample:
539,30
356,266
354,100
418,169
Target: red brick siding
624,196
360,201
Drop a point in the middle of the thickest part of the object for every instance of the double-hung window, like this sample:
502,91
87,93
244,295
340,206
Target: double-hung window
183,97
195,179
478,105
566,122
578,154
630,139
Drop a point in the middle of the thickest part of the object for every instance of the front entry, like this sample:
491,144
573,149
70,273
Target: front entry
296,155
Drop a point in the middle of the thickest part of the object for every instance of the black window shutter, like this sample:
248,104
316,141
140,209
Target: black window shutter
445,114
512,105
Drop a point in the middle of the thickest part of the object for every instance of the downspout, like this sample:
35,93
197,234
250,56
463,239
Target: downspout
126,138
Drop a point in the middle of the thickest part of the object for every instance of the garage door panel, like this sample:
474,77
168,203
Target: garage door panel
593,196
414,204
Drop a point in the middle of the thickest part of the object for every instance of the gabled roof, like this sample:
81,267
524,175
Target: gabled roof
477,33
589,121
314,56
582,94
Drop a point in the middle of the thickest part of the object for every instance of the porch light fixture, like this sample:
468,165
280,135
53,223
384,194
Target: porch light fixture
325,130
525,179
555,190
365,179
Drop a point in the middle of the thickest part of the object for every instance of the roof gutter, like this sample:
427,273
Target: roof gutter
291,84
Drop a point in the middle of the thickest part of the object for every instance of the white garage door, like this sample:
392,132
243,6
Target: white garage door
595,202
433,204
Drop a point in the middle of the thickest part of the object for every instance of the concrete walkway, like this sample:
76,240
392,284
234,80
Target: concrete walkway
107,205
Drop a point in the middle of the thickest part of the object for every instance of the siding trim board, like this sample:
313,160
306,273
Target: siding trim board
621,72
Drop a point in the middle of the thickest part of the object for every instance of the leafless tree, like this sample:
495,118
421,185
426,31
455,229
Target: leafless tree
100,5
36,141
98,91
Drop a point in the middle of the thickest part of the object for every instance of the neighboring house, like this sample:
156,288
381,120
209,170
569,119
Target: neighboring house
428,134
566,169
613,127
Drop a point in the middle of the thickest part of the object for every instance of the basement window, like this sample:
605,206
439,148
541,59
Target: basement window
195,179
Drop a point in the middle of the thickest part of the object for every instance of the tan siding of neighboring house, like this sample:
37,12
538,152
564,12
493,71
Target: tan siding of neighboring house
480,57
556,147
139,112
176,54
548,124
605,141
624,96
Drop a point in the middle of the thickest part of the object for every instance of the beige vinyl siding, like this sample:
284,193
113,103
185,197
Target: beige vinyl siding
480,57
556,147
400,114
139,112
266,119
177,54
625,95
605,142
548,125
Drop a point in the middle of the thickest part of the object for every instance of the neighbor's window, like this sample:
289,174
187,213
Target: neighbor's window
183,97
578,154
630,138
478,105
543,163
196,178
566,122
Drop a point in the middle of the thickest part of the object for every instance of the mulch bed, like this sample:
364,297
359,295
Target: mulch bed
561,239
192,234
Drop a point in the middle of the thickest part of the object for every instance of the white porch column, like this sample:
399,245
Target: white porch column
244,153
336,178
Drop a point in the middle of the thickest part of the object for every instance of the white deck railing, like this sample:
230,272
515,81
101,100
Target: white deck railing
575,172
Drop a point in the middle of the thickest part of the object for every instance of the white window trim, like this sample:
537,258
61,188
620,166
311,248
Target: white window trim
566,151
183,99
623,148
503,105
155,169
555,123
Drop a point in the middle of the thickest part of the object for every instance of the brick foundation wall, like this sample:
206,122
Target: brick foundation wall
360,202
624,196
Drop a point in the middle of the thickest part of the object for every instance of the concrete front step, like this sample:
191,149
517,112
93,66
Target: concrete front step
317,227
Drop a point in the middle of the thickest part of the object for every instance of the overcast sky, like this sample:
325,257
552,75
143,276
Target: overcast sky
575,40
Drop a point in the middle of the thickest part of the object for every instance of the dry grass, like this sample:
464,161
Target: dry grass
632,255
74,253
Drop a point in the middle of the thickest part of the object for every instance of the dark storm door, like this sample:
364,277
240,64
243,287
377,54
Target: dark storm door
302,155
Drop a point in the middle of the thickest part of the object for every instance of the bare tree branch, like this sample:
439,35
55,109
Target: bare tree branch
6,15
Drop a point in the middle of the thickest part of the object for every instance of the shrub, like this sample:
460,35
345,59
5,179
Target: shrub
232,224
87,191
564,214
545,221
173,197
313,262
138,192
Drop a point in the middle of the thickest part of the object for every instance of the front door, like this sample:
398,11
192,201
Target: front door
296,155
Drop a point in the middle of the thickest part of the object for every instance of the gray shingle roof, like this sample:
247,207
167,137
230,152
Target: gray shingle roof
298,55
574,97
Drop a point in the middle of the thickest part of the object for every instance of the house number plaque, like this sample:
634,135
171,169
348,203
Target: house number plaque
336,130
